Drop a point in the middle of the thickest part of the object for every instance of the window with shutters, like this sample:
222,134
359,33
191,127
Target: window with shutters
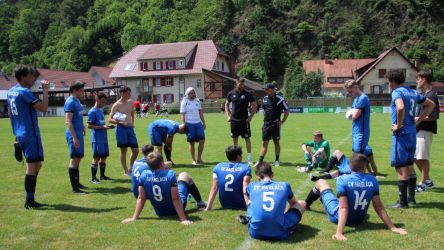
171,65
168,82
158,65
198,83
158,82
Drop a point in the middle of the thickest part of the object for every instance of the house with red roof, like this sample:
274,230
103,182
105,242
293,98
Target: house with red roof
162,72
369,73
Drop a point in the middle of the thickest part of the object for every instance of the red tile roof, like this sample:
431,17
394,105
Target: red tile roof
102,72
204,58
438,84
7,82
168,50
335,68
63,78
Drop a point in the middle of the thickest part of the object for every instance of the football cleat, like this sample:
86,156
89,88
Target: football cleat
95,181
33,204
420,188
398,204
276,163
201,205
105,178
429,184
79,191
82,187
411,201
242,219
313,177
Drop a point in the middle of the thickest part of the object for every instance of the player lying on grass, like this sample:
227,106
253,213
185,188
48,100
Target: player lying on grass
230,179
167,195
355,191
268,218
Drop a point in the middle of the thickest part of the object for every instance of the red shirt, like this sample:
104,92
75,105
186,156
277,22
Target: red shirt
136,104
157,106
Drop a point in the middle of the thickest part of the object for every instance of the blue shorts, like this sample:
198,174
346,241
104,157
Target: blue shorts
126,137
32,148
403,149
359,143
75,152
100,149
183,192
331,205
195,132
344,166
157,135
291,219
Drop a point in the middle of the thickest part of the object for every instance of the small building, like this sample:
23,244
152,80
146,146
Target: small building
162,72
368,72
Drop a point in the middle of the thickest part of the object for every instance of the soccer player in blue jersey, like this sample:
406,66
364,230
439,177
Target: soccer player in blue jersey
122,114
230,179
404,103
355,192
74,134
23,106
361,122
268,218
167,194
138,167
162,132
99,138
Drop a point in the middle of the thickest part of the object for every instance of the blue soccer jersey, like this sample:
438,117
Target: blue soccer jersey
362,124
164,127
138,168
73,105
230,177
268,200
96,117
359,189
22,113
411,98
157,186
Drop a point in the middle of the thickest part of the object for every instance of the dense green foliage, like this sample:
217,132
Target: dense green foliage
264,36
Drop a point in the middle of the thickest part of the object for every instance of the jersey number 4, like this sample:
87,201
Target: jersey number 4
360,201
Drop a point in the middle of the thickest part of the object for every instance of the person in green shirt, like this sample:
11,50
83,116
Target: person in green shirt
316,152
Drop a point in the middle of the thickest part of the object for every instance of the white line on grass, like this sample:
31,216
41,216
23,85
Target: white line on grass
248,242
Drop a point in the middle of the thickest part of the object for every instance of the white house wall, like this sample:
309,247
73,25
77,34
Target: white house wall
391,61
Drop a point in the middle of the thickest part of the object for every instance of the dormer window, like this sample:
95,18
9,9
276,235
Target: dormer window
181,63
217,65
223,66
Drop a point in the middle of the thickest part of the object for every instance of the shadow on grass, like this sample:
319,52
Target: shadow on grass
387,183
113,190
72,208
370,226
171,218
303,232
439,205
119,180
435,190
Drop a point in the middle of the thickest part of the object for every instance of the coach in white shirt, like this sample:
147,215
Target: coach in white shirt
192,116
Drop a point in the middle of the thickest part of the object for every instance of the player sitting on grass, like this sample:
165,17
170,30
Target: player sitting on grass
230,179
321,152
355,191
337,159
266,201
138,168
167,195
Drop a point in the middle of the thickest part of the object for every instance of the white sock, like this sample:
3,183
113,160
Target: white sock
249,156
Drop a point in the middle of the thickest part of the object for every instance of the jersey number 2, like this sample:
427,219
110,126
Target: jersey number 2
229,178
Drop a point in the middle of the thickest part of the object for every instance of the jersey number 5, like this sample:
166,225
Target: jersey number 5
268,197
359,200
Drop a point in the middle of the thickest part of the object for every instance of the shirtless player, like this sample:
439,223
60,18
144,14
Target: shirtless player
122,114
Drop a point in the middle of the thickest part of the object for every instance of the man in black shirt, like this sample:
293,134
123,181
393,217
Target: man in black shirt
243,108
425,130
273,106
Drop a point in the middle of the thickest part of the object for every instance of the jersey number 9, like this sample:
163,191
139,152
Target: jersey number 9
157,192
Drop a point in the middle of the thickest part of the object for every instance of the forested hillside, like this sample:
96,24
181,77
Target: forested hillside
265,37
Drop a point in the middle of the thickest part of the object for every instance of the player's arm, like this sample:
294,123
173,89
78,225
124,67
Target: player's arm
43,105
178,206
92,126
213,191
253,109
227,110
380,210
400,113
68,121
245,183
428,105
132,114
111,115
202,118
342,218
140,203
286,113
357,114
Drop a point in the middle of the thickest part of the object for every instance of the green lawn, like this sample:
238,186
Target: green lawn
93,221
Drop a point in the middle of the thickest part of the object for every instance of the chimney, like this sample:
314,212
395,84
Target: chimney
326,61
417,64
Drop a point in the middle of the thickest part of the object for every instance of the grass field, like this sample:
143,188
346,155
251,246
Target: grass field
93,221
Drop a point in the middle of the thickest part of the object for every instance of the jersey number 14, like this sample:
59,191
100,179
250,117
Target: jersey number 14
360,201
